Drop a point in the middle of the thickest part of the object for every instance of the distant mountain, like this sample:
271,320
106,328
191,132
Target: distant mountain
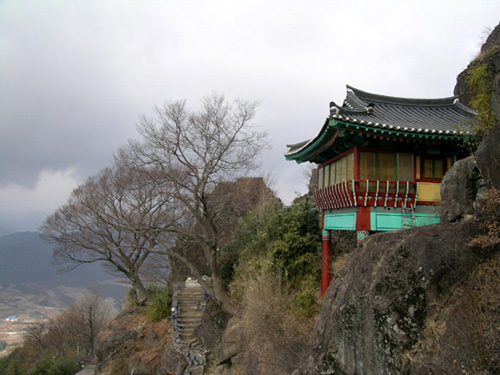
26,265
6,231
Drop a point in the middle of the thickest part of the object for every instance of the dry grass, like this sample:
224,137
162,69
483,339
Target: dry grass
338,263
464,334
476,324
492,238
276,336
142,349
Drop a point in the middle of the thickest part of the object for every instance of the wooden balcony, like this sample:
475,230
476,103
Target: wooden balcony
373,193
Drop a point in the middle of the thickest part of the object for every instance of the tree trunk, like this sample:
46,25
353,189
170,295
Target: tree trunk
141,294
221,296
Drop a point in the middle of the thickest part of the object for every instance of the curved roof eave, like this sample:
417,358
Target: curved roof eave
299,151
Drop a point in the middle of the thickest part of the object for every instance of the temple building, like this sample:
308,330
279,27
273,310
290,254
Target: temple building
380,162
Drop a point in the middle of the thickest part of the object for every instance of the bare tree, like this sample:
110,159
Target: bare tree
195,152
55,336
89,315
115,218
73,330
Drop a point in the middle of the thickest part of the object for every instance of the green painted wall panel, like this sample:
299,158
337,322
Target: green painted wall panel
423,220
341,221
386,221
394,221
380,221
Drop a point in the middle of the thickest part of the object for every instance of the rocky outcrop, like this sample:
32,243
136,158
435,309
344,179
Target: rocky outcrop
180,345
465,186
131,344
387,297
488,157
490,57
459,189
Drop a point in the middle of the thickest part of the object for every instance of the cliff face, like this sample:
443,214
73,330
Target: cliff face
377,315
490,57
132,345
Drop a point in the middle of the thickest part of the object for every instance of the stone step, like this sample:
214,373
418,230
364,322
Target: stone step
188,328
194,301
191,312
190,318
193,341
190,292
194,371
186,325
187,322
191,295
187,335
191,300
190,306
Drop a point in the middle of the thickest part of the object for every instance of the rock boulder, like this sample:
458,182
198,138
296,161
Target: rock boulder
385,300
488,157
458,190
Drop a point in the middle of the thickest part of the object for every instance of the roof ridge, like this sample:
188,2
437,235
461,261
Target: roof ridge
424,102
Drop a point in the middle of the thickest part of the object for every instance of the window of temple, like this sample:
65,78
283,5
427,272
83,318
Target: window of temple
385,166
336,172
368,166
433,168
406,170
382,166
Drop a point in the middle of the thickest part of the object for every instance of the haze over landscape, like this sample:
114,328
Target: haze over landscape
77,76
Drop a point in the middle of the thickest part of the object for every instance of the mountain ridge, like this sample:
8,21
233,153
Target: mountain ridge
27,273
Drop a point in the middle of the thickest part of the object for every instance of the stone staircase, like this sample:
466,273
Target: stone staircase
189,306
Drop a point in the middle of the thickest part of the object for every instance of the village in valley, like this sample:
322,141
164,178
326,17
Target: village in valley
14,328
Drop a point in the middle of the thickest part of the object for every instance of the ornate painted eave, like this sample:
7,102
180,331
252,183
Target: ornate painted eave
365,115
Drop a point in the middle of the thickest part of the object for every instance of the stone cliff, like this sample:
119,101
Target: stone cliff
395,299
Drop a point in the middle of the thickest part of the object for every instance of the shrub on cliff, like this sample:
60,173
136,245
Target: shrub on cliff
289,239
479,81
284,242
159,303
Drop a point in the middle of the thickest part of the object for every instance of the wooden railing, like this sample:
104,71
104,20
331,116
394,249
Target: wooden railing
367,193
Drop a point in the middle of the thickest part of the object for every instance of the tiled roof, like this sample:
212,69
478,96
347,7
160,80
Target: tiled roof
443,117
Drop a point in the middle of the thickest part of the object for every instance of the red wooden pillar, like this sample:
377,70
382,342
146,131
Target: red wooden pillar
326,260
363,223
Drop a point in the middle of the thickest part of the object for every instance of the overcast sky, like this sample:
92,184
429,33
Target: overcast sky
76,76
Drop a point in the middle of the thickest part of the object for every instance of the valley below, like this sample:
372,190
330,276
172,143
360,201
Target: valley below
33,290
